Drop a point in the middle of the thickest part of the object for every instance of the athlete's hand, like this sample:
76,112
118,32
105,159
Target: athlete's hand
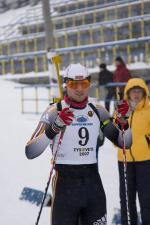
122,113
64,118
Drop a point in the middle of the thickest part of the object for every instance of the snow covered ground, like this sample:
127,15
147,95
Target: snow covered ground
17,172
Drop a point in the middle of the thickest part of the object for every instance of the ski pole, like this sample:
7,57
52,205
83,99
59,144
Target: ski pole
124,165
55,60
125,177
50,175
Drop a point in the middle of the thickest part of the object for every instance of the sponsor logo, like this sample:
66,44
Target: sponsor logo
83,151
101,221
79,77
81,119
81,124
90,113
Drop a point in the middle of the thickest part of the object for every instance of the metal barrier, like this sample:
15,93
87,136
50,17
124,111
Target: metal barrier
96,91
35,98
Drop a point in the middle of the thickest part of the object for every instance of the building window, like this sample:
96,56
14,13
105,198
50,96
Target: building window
22,46
18,66
31,45
109,57
78,21
137,52
65,60
96,36
147,27
85,37
88,19
41,27
40,43
81,5
123,12
111,14
146,7
110,1
136,29
61,42
123,31
59,25
90,3
122,51
77,57
99,16
23,29
13,48
40,64
68,22
136,10
29,65
62,9
90,57
100,2
4,49
108,33
1,68
71,7
7,67
72,39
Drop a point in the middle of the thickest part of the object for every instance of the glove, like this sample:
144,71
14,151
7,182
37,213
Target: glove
64,118
122,112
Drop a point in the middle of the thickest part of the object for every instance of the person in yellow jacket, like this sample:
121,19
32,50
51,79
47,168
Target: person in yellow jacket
138,156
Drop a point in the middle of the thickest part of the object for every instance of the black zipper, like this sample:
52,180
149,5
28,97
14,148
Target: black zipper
131,127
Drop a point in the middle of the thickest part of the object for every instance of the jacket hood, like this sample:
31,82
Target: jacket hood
120,66
134,82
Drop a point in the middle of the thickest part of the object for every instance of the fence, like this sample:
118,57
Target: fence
38,97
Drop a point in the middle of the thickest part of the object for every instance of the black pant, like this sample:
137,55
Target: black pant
138,181
110,94
78,195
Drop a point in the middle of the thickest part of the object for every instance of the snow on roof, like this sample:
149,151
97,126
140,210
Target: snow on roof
8,17
133,66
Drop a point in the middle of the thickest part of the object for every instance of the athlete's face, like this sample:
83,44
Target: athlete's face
78,90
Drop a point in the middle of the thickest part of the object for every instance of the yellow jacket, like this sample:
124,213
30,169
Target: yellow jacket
139,121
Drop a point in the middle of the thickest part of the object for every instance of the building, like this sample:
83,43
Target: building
13,4
85,31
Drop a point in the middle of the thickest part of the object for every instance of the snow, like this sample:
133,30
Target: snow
13,15
133,66
10,16
17,172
